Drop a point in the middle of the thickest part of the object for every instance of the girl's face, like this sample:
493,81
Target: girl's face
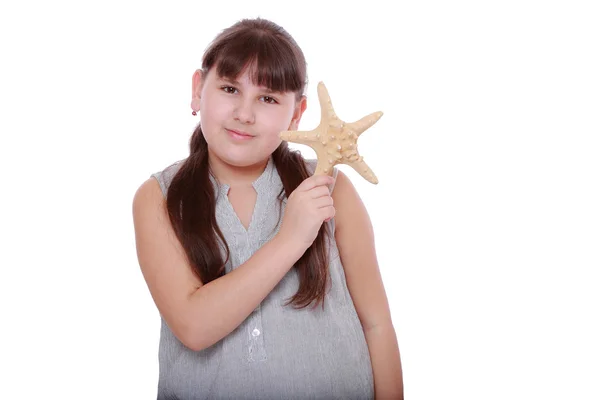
240,121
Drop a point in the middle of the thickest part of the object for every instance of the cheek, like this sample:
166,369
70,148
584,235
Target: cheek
212,113
278,119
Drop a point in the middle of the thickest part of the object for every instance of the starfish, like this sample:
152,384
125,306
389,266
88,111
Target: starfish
334,140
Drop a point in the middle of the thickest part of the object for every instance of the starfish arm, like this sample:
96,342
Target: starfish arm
324,167
363,169
327,111
303,137
365,123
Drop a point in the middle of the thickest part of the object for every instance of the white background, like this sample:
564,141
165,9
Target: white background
487,213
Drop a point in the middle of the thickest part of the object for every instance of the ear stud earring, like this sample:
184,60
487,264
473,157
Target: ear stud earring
195,105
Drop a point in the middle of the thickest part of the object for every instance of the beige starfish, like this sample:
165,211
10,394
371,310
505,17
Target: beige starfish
335,141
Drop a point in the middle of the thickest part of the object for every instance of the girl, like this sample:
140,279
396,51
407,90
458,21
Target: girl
262,293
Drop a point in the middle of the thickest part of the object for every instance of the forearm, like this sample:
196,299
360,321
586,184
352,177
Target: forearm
385,360
223,304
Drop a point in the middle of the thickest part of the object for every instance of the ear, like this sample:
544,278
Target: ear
298,111
197,83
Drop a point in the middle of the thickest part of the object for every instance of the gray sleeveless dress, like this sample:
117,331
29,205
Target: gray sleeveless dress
277,352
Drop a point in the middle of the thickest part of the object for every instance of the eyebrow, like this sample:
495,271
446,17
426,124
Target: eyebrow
236,83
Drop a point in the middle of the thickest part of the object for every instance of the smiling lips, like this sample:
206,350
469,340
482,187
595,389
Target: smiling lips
239,135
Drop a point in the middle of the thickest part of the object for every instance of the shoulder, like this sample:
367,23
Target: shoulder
154,189
350,211
148,198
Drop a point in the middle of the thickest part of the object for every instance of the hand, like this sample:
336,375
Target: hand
307,208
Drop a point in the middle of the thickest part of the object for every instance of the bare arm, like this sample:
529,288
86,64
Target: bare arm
227,301
356,242
201,315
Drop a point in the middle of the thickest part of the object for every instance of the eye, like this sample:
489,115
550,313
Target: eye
228,89
269,100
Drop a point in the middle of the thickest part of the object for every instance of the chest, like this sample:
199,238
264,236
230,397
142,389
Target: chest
243,202
248,218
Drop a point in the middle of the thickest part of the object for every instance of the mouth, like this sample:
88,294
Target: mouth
239,135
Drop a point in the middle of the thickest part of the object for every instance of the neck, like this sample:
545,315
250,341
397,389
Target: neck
236,176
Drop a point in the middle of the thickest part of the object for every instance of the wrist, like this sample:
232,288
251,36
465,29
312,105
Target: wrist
288,246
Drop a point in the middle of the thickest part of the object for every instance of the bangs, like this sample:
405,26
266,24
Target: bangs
270,61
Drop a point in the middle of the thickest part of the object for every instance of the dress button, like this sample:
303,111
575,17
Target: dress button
255,332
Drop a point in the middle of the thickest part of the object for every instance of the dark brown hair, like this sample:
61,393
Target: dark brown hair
277,63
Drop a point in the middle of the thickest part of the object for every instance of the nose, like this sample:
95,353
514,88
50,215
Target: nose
244,111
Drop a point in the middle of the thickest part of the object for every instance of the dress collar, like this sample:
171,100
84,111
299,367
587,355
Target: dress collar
261,184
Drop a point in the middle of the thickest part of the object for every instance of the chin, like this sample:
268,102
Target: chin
238,156
245,160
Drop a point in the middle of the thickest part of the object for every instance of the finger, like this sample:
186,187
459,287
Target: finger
318,192
325,201
327,213
314,181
